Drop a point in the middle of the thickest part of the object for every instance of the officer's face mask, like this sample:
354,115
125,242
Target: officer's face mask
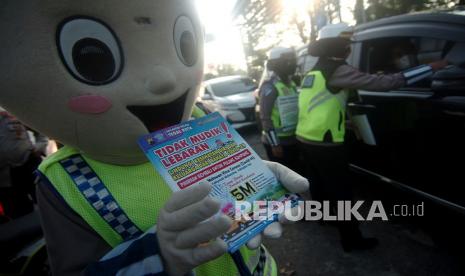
288,65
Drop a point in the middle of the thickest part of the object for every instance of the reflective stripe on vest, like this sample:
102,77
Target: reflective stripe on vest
320,110
117,179
283,91
265,267
95,192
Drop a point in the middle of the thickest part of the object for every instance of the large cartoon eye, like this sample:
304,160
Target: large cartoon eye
90,50
185,40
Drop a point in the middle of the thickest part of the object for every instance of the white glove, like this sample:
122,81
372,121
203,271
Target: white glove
292,181
186,221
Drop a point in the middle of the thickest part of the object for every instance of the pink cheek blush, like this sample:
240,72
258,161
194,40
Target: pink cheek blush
89,104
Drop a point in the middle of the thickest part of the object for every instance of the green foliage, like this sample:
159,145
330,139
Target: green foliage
253,16
383,8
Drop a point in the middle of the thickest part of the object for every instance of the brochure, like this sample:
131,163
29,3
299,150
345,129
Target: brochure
209,149
288,111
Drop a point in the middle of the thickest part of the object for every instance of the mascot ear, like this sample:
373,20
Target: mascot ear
90,50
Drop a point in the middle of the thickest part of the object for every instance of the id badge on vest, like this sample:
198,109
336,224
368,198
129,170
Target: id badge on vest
288,111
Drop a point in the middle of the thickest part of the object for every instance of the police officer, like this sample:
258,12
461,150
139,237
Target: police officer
321,123
278,108
19,158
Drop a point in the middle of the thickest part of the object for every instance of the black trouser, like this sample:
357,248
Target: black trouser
291,157
327,168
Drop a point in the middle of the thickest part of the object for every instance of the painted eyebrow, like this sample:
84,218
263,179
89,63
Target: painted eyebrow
143,20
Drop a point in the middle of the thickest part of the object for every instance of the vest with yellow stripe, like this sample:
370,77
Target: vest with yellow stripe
197,112
321,113
283,90
141,192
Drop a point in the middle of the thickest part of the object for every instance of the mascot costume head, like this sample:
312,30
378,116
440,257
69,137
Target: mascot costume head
96,75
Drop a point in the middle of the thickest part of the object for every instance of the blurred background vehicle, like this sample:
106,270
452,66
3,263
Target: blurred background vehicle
232,97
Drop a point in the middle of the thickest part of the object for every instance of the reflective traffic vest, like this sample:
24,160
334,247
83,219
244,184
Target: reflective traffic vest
321,111
139,191
197,112
284,122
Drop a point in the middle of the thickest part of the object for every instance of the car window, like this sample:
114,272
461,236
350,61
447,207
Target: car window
396,54
231,87
457,54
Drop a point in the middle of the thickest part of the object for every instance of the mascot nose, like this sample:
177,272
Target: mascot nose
161,81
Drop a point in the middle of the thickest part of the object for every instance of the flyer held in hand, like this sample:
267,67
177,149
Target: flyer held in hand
209,149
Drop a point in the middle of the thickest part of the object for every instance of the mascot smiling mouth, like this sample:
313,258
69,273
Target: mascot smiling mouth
156,117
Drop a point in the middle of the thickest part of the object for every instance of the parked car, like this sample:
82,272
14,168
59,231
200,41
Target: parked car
419,129
232,97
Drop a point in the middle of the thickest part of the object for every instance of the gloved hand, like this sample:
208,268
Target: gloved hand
186,221
292,181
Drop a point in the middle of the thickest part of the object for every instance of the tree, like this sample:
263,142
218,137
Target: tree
359,12
301,28
253,17
333,9
383,8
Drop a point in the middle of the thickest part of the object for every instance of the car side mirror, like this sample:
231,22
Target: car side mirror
450,80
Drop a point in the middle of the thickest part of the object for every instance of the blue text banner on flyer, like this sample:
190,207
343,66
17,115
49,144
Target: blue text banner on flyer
209,149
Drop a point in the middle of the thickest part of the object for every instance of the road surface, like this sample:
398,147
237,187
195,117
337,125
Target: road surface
429,245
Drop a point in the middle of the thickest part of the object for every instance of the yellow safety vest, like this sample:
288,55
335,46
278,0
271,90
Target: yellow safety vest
141,193
197,112
320,111
288,94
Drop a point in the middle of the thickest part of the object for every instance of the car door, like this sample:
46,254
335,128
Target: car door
419,132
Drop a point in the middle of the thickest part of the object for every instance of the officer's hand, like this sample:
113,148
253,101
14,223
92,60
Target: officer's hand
438,65
295,183
186,238
277,151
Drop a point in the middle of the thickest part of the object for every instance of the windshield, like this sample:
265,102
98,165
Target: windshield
231,87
